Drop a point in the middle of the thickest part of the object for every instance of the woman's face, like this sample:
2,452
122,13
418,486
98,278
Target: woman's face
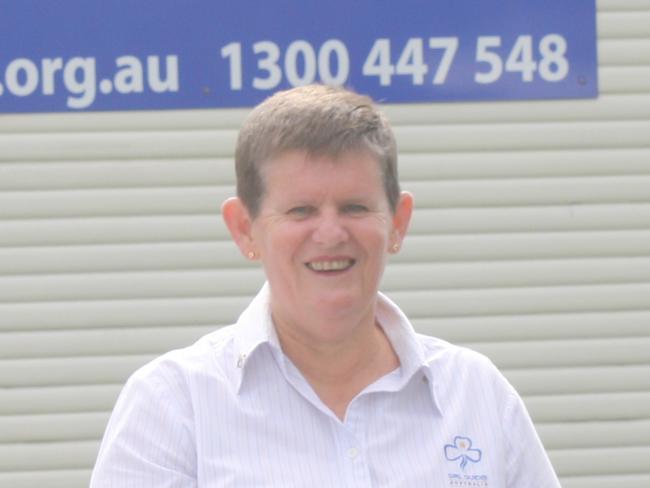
323,234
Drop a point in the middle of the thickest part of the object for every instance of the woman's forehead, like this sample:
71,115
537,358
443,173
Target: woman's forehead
298,173
302,164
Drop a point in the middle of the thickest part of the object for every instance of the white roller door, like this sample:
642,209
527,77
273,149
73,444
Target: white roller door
530,243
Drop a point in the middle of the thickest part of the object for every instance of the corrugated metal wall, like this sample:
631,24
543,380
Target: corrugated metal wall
530,243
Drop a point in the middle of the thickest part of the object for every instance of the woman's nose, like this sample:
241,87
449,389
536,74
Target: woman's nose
330,230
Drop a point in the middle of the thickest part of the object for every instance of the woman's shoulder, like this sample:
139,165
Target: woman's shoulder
208,353
440,353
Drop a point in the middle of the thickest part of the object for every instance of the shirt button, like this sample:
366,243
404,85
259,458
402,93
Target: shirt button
241,360
353,452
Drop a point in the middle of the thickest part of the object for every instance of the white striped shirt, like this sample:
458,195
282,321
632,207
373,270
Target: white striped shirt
233,411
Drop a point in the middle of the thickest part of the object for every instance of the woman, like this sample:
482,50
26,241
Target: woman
322,381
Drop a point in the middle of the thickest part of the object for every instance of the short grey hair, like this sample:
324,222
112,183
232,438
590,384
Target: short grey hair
320,120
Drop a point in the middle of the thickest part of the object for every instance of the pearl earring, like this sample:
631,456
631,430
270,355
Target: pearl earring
251,255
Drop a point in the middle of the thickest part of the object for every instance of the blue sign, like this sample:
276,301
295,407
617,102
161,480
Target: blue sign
80,55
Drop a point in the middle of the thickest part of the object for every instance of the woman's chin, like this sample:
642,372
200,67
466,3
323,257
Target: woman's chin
342,304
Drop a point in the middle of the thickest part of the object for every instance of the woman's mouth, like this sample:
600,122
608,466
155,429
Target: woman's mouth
330,264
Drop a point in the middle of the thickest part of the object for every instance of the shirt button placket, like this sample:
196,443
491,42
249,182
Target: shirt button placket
356,458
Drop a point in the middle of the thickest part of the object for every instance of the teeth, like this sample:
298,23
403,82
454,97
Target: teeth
330,265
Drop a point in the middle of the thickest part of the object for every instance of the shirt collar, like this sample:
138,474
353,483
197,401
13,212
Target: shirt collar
409,349
255,328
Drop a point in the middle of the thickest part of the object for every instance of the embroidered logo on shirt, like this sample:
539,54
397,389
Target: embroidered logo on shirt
461,450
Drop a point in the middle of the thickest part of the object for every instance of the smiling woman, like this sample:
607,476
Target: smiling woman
323,231
322,381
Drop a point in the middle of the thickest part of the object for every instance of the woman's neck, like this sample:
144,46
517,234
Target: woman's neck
339,370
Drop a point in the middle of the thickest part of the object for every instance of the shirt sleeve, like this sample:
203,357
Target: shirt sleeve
149,439
528,465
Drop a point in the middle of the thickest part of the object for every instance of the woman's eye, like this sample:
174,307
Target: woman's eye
302,211
355,208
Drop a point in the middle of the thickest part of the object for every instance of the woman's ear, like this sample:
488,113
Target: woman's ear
239,223
401,219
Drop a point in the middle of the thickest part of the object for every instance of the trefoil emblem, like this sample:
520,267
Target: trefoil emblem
462,450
